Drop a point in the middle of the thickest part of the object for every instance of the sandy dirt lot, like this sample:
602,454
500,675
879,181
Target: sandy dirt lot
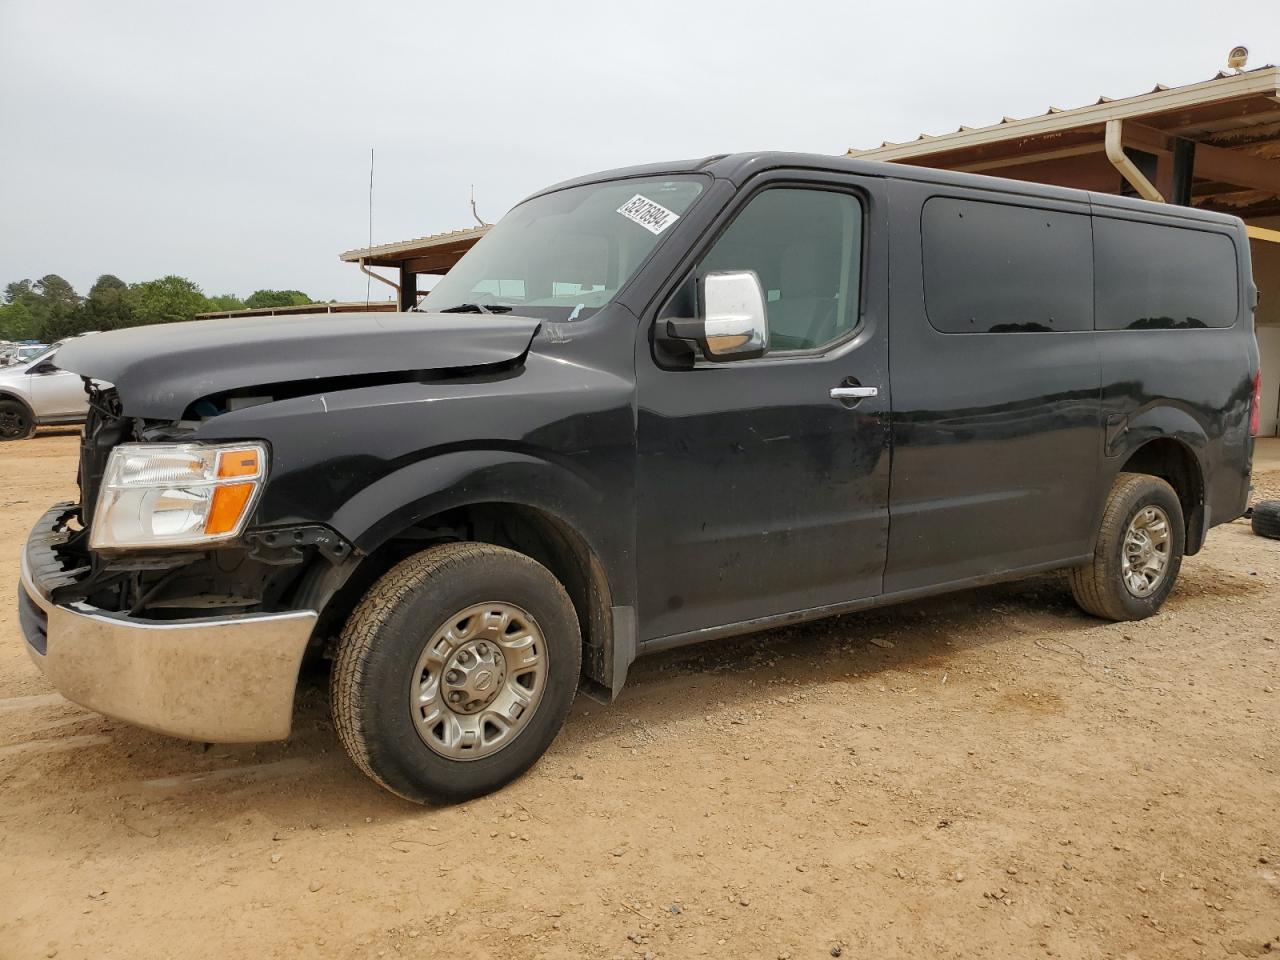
984,775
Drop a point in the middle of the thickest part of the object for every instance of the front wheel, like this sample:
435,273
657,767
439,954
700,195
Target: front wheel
456,671
16,422
1138,553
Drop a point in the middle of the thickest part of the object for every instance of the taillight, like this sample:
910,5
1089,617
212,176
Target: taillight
1255,408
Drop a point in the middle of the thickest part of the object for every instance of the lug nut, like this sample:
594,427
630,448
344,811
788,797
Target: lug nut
464,658
482,650
455,696
453,676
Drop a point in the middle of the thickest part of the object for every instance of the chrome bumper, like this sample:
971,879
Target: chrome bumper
216,679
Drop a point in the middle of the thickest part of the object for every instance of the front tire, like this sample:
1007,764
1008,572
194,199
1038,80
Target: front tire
16,421
1138,553
455,672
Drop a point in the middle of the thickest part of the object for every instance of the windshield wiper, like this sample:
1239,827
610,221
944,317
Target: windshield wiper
476,308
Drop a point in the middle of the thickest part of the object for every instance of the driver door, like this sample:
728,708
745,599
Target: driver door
760,493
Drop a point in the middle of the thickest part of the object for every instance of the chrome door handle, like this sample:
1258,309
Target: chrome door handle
854,393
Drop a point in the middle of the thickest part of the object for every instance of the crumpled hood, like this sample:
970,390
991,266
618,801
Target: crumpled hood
159,371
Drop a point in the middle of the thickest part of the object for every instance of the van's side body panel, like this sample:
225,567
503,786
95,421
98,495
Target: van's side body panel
996,435
1191,385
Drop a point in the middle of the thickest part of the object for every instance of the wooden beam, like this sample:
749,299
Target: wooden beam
1211,163
1229,166
437,263
1262,233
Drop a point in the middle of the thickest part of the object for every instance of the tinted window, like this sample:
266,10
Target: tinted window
995,268
806,248
1154,277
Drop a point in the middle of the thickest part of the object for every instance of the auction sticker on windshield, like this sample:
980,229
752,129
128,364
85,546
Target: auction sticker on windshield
654,217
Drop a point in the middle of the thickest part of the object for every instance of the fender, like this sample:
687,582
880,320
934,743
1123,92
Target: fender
461,478
1126,435
7,395
1160,419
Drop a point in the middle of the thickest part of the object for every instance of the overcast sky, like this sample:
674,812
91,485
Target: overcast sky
229,142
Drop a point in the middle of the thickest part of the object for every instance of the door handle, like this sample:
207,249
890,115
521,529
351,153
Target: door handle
854,393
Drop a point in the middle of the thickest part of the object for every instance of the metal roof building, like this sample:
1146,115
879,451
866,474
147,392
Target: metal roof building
1213,145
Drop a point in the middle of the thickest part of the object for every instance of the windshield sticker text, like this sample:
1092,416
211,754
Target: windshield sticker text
654,217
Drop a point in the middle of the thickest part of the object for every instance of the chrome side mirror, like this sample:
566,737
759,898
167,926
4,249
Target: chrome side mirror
734,319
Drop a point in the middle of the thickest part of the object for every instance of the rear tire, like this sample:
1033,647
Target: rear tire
1266,519
16,421
455,672
1138,552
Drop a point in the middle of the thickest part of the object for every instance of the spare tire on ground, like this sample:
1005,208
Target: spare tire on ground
1266,519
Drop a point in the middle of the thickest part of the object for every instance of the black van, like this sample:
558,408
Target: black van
651,407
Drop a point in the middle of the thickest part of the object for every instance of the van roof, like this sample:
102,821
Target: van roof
740,167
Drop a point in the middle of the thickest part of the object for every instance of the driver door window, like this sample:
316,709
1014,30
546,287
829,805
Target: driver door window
806,248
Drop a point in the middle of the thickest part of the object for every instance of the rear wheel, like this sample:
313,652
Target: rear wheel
16,422
1138,553
456,671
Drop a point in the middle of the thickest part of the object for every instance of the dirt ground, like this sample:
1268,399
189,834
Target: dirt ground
990,774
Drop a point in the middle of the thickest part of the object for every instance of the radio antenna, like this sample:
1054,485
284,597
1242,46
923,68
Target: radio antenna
473,207
368,281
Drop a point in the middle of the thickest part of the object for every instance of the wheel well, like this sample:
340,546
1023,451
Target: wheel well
1174,463
527,530
17,399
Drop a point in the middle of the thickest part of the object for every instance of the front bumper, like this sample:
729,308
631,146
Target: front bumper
224,679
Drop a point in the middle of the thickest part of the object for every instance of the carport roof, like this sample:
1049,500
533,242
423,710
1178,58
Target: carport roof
431,254
1233,121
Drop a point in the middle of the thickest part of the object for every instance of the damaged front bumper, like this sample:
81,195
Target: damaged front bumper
227,679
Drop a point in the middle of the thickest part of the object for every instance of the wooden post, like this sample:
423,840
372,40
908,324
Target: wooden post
408,289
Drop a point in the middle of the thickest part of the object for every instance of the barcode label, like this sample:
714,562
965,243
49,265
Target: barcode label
654,217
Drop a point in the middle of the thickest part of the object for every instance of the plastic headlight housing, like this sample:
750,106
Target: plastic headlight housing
177,494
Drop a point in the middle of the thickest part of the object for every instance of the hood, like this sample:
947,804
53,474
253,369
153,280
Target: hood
159,371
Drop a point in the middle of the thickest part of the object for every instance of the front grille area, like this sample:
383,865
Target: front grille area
103,429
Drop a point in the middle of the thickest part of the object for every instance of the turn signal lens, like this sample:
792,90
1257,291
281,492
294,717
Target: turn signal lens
241,462
227,508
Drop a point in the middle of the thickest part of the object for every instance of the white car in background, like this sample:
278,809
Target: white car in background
38,393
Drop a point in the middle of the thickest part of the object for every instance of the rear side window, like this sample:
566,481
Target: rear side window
997,268
1156,277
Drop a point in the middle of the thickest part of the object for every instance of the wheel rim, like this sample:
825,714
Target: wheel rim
1144,556
478,681
13,425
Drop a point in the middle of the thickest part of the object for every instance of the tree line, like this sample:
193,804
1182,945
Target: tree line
49,309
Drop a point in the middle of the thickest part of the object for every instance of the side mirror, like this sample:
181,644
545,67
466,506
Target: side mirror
733,323
44,368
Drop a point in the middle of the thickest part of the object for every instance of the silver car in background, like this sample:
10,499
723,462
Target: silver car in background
37,393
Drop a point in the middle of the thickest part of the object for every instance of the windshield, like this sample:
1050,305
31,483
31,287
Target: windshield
39,357
563,255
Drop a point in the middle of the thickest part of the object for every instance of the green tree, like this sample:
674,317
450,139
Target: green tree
107,307
56,292
276,298
167,300
51,301
17,323
20,291
226,301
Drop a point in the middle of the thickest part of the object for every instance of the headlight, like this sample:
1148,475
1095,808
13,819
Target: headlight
176,494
